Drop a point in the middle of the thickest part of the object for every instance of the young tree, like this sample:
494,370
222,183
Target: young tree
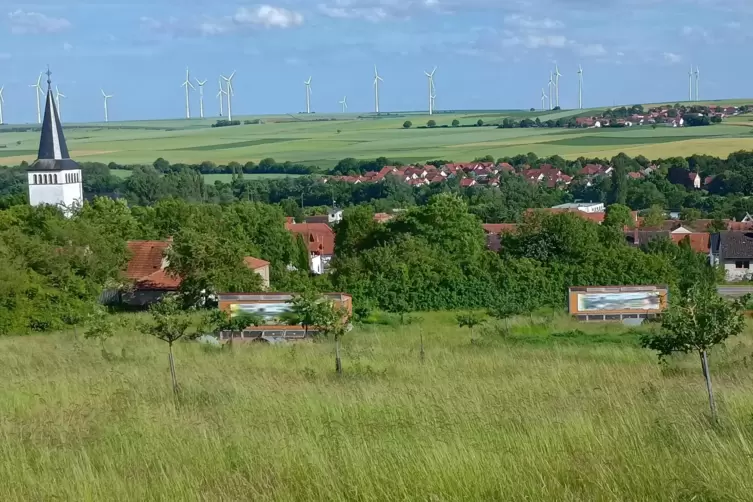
169,323
334,321
100,328
431,123
470,320
306,310
407,124
479,123
455,123
695,322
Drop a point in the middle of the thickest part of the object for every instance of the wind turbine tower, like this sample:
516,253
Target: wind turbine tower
106,97
38,91
188,84
690,84
431,89
229,93
543,99
201,96
697,79
344,103
551,90
377,79
58,95
557,76
2,100
307,83
580,87
220,93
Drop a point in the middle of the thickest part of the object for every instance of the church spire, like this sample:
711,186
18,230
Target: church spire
53,152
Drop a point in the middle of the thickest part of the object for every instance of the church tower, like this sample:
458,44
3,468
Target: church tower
54,179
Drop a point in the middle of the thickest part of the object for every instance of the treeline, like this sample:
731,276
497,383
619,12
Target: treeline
53,269
434,257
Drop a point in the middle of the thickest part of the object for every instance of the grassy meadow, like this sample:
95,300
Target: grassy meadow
535,412
322,140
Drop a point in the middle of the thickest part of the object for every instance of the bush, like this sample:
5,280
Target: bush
407,124
455,123
480,123
431,123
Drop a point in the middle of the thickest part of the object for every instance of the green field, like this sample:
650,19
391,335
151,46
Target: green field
324,139
541,413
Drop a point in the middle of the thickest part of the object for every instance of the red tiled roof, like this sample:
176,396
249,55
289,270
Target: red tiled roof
499,228
319,237
467,182
146,258
382,217
255,263
699,241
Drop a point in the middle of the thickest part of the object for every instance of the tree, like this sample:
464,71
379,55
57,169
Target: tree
479,122
431,123
220,320
407,124
334,321
302,255
695,322
169,323
618,216
100,328
654,217
306,310
455,123
469,320
689,215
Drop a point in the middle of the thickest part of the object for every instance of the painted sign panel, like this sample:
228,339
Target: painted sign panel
643,300
269,311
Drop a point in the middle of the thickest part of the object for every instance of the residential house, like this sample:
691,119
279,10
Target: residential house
332,217
147,271
320,240
467,182
695,180
586,207
382,217
494,232
734,252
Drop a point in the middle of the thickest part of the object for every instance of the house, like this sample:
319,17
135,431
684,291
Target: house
635,175
382,217
734,252
494,232
320,240
332,217
586,207
147,271
467,182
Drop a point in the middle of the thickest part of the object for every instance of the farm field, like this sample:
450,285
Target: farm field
323,140
541,413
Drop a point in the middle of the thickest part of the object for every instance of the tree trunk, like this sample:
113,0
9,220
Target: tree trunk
707,376
338,361
423,354
172,371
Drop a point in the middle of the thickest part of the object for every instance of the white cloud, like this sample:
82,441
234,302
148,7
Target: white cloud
545,41
31,23
528,23
67,47
268,16
593,50
671,57
733,25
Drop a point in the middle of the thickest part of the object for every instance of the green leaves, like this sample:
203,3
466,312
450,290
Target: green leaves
696,321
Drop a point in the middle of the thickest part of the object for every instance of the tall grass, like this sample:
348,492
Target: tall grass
561,418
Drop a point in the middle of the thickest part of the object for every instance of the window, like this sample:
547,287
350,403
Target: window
35,179
56,178
45,179
742,264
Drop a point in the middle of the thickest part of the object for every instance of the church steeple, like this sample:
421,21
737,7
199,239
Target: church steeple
53,151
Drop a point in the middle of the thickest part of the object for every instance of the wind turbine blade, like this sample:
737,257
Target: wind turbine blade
232,75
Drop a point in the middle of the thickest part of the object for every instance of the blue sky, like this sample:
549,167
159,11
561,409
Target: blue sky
491,54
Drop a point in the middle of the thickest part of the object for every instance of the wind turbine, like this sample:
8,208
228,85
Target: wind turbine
690,84
106,96
543,99
433,96
551,89
580,87
2,100
557,76
697,78
220,93
229,93
431,89
377,79
38,91
201,96
58,95
188,84
307,83
344,103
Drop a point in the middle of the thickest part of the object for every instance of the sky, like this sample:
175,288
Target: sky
490,54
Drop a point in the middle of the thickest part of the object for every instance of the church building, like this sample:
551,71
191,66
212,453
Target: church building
54,179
